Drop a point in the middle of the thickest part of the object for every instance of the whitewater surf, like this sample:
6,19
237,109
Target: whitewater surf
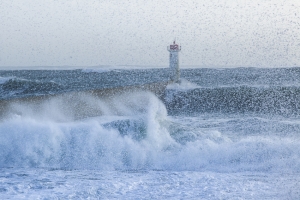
230,133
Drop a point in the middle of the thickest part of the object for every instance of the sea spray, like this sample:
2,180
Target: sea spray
132,131
50,134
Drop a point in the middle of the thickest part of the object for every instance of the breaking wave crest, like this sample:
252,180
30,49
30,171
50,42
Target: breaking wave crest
117,132
130,131
5,79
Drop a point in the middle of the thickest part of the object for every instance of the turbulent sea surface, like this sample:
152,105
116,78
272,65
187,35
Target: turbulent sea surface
220,134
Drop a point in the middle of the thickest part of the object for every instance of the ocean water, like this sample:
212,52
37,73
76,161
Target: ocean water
220,134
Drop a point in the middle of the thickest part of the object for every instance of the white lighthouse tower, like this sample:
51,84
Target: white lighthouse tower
174,50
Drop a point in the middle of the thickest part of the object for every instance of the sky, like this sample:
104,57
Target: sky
212,33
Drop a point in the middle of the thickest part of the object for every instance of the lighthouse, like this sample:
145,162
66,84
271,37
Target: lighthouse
174,50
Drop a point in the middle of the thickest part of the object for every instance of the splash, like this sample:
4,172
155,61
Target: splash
88,132
132,131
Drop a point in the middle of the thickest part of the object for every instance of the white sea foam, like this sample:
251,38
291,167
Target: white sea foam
46,135
132,131
94,184
127,147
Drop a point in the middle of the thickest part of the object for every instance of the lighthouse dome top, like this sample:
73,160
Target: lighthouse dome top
174,47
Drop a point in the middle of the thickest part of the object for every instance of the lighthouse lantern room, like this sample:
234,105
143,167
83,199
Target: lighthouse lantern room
174,50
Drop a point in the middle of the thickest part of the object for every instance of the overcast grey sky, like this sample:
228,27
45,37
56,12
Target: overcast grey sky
258,33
